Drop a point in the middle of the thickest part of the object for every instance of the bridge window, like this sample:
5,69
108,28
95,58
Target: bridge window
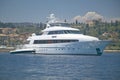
64,32
55,32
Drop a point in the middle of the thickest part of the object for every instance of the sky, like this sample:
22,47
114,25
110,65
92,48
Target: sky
37,10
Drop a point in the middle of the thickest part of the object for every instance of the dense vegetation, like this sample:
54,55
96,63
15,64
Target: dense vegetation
102,30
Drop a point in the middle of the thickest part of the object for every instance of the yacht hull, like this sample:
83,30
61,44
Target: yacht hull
73,48
90,47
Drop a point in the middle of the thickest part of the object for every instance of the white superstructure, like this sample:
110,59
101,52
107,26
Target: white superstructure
59,38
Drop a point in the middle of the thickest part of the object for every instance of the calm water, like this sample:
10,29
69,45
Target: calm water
59,67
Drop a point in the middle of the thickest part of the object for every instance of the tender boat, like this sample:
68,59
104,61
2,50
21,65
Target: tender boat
60,38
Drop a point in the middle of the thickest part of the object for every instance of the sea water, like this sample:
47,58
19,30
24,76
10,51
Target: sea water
59,67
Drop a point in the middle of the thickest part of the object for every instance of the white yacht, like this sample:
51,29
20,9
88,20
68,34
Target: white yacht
59,38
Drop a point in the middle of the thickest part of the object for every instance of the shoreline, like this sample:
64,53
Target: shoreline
8,50
5,50
111,50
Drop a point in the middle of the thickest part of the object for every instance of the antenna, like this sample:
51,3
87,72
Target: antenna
51,18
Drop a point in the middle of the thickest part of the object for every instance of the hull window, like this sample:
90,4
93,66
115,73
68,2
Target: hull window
53,41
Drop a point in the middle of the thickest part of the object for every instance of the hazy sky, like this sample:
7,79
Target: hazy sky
38,10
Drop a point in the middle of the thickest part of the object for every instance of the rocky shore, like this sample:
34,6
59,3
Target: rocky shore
6,49
111,50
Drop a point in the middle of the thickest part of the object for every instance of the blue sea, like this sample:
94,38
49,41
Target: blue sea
59,67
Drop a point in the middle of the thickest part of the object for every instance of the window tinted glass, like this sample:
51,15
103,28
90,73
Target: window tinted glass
64,32
53,41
